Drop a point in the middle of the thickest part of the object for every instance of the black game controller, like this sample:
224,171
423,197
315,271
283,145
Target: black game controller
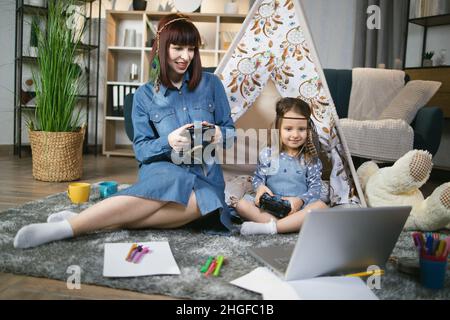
275,205
190,155
193,132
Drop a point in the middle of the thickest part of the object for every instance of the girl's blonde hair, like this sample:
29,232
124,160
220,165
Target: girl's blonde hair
299,106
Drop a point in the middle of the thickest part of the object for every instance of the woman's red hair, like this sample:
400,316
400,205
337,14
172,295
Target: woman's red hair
183,33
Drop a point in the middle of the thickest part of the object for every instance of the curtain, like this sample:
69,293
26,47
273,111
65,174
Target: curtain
382,47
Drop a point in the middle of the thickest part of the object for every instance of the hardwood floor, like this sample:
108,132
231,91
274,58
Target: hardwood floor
15,287
17,186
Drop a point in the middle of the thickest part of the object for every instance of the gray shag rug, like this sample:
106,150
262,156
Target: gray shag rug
190,246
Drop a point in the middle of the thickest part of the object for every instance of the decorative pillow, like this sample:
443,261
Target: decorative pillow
413,96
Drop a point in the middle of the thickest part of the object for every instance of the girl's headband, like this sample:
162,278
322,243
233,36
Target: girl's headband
294,118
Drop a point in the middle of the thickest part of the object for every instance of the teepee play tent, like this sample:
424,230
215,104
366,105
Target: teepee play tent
273,55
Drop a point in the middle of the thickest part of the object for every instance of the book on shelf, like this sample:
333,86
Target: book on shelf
116,98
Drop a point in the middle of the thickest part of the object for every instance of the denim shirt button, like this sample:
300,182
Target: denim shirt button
179,92
184,108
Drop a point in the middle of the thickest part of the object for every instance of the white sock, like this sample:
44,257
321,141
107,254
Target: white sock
60,216
36,234
249,228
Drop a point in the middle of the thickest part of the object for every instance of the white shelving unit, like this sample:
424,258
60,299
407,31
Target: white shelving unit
119,59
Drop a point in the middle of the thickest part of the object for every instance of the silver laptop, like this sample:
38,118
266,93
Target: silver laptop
337,241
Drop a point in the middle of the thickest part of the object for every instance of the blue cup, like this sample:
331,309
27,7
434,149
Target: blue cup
107,188
432,273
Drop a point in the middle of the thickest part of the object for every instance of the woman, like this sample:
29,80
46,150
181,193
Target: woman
166,195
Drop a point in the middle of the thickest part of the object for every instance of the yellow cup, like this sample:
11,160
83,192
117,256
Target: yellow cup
79,192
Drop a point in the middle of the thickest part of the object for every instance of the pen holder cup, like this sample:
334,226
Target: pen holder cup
432,273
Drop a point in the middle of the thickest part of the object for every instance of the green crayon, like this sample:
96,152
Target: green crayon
207,264
218,266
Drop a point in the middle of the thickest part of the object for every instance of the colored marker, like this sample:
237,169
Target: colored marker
366,273
435,245
133,247
416,239
422,240
141,254
136,251
438,250
211,267
429,245
218,266
207,264
447,240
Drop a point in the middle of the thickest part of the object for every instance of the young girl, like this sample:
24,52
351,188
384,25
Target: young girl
296,179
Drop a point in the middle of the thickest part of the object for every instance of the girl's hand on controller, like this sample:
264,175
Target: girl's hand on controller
260,191
296,204
178,139
217,137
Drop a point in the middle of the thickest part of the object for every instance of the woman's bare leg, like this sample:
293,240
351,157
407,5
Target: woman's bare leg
171,215
113,212
293,222
249,211
116,212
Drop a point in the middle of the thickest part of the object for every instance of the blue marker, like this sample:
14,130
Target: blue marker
429,244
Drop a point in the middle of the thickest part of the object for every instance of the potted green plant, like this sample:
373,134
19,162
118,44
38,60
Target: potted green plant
427,62
56,134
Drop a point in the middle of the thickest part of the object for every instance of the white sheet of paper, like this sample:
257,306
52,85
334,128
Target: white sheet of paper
333,288
262,280
159,261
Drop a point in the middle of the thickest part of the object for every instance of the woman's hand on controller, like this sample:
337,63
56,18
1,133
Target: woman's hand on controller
260,191
296,203
217,137
178,139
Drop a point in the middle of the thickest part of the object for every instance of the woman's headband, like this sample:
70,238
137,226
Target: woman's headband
170,22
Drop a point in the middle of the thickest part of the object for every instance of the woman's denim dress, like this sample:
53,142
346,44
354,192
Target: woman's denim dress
155,115
289,176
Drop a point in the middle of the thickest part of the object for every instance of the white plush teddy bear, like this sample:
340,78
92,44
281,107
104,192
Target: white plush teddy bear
399,185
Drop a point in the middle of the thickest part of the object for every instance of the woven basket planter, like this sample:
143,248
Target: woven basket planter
57,156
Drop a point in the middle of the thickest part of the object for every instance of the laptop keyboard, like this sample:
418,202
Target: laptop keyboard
284,261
